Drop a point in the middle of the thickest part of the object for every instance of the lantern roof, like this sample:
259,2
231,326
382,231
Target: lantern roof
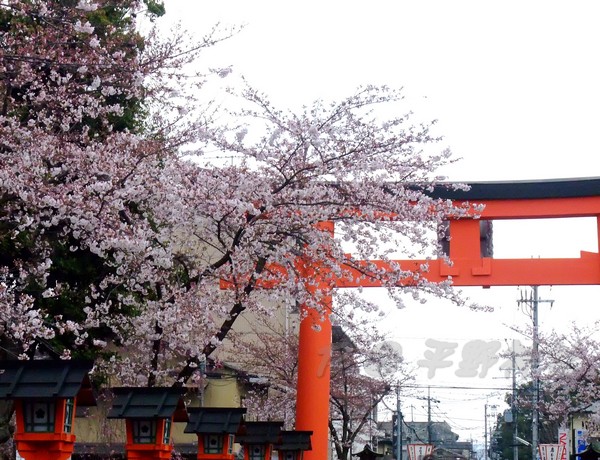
42,378
259,433
214,419
148,403
368,454
294,441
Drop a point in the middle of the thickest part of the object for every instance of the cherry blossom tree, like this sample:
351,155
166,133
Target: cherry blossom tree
87,160
266,349
114,241
568,377
502,437
363,372
568,372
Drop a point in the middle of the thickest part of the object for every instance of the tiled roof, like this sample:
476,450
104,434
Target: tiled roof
557,188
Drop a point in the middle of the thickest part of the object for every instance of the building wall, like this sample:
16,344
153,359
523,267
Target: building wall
92,427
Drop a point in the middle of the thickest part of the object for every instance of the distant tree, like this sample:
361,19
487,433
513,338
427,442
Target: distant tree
568,383
355,396
267,348
363,371
502,440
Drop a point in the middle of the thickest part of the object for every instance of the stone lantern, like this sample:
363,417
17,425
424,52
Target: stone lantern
293,444
149,414
258,439
46,394
216,428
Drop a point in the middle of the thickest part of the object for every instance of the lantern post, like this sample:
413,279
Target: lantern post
149,414
293,444
258,439
216,428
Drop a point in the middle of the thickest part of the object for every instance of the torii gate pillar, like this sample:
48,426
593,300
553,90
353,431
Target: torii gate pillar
314,357
312,400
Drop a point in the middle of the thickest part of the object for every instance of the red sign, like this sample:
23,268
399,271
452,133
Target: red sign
563,440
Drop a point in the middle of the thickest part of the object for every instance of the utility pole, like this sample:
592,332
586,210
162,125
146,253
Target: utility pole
429,415
399,423
485,425
534,301
535,362
485,432
513,404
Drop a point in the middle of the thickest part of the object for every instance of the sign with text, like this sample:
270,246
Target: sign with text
418,451
563,440
580,443
551,451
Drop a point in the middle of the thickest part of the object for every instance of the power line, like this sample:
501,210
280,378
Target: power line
457,387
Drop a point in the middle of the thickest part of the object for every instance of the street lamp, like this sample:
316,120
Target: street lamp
485,423
46,394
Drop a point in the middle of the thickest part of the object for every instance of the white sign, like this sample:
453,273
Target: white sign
551,451
418,451
563,440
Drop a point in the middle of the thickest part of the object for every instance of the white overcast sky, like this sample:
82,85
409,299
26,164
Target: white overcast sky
515,86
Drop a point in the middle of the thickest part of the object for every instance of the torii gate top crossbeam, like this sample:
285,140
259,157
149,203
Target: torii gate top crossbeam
530,199
511,200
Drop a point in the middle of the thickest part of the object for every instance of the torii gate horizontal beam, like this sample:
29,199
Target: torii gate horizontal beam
487,272
506,200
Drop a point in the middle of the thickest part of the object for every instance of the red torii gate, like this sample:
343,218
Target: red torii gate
502,200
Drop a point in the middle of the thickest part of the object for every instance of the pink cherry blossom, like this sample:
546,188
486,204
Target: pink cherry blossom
160,229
